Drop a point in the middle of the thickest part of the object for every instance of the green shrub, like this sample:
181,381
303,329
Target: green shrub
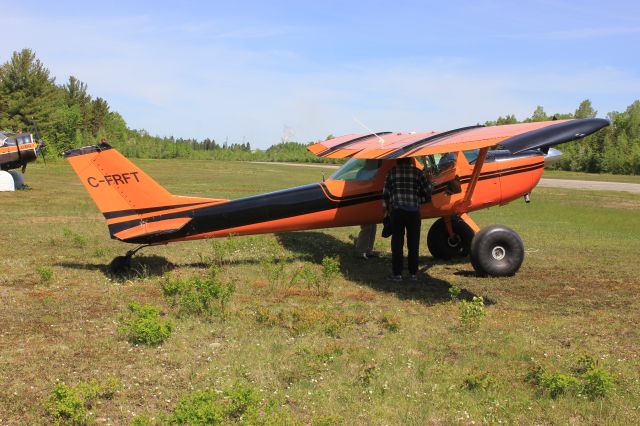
242,399
584,363
309,277
198,408
454,292
273,270
477,381
208,407
471,313
144,326
222,248
597,383
68,405
65,406
198,296
93,389
588,380
556,384
141,421
77,239
330,269
45,273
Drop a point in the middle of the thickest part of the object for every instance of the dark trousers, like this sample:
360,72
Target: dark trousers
401,220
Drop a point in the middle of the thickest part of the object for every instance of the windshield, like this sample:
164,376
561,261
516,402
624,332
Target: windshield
357,169
12,139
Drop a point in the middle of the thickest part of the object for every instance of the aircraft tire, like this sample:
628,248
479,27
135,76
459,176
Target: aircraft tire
497,251
442,247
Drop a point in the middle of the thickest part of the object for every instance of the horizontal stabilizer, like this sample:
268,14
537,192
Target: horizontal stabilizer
153,228
553,135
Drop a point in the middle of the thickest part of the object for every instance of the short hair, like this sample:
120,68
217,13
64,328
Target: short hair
405,161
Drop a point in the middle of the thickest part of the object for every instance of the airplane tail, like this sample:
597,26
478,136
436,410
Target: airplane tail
131,201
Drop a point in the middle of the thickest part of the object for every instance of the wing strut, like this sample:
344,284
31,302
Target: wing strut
475,175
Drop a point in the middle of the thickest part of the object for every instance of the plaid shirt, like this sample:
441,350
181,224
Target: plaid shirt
405,187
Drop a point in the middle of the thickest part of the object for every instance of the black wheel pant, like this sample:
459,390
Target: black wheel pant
411,221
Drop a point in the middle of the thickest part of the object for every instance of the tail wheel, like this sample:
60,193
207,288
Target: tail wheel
497,251
444,247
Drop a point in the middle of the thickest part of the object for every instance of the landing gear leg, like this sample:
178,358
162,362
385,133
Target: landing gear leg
445,246
122,264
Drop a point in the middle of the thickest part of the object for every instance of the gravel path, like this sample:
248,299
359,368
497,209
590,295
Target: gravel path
590,184
551,183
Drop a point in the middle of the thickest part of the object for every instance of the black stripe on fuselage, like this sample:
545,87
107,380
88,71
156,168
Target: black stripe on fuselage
271,206
123,213
245,211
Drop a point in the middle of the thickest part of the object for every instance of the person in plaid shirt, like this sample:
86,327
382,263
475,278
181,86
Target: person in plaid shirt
405,188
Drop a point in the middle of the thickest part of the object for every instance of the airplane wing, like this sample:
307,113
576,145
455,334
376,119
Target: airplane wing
514,137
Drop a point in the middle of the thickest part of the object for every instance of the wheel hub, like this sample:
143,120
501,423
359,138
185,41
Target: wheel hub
498,252
454,240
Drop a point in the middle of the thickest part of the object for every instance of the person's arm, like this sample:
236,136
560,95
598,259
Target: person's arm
424,181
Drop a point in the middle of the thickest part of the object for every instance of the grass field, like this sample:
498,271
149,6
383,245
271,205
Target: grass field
295,348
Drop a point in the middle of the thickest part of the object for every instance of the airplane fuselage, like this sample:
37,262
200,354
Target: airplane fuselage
338,202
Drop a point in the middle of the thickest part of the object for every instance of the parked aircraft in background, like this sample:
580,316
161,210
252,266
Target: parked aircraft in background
16,151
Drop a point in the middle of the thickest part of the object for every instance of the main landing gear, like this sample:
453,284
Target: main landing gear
495,250
120,265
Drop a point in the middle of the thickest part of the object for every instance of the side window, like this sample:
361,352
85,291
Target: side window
439,163
357,169
472,155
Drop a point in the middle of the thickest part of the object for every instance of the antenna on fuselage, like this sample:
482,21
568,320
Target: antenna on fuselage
369,130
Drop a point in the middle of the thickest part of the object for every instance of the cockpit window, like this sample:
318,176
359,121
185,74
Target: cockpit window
357,169
472,155
439,163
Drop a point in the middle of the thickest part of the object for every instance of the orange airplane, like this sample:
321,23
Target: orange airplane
472,168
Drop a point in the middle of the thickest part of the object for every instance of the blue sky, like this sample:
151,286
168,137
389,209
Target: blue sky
258,71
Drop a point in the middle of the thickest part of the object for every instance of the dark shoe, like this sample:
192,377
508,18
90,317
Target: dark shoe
372,254
413,277
394,278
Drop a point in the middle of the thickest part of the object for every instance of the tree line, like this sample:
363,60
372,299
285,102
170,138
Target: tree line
67,116
614,149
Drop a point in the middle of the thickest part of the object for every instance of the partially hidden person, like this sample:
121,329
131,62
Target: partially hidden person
366,239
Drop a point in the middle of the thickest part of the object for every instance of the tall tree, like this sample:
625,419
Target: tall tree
99,112
585,110
538,115
29,93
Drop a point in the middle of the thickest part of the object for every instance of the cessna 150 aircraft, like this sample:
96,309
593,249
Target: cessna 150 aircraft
467,175
16,150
